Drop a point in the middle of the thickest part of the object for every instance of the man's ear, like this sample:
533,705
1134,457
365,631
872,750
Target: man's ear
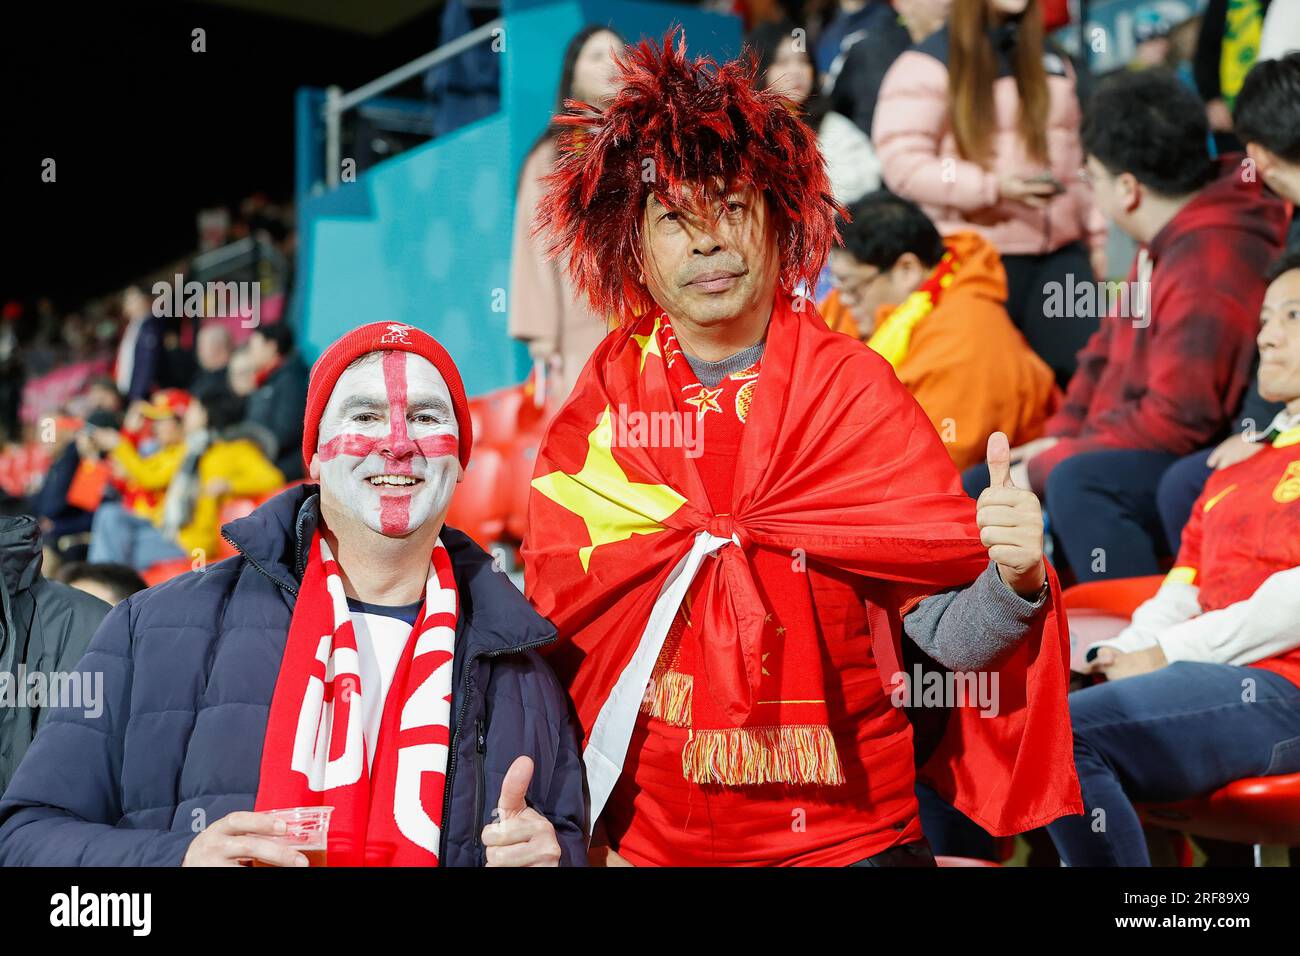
1130,191
1262,157
313,469
909,268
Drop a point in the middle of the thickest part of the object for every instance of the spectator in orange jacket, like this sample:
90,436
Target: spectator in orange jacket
936,309
979,123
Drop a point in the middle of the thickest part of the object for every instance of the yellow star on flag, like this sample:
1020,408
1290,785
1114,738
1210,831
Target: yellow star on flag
612,507
649,345
705,400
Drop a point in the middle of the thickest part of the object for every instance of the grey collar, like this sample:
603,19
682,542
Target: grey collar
711,373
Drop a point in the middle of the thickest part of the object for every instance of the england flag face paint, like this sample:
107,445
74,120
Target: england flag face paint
387,451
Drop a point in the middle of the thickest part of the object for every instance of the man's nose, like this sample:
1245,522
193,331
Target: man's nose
706,245
397,443
1268,336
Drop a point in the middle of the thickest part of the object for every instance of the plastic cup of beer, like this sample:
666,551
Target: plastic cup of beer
308,832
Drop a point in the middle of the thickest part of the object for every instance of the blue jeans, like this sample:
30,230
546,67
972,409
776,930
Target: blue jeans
1179,732
949,831
1179,488
975,479
1102,508
117,536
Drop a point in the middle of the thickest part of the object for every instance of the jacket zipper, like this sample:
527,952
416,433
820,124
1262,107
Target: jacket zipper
455,732
480,746
261,570
460,714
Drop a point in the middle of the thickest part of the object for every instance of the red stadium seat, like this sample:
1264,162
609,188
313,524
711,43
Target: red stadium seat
478,505
166,570
500,417
1119,596
518,477
1260,811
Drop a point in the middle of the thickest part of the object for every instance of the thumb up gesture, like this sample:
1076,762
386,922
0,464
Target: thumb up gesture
1010,520
520,836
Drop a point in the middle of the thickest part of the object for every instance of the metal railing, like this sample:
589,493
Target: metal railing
337,102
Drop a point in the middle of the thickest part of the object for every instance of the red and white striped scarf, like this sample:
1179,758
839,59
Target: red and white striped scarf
387,812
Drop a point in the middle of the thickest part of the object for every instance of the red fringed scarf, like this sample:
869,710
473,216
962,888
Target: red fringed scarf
838,465
789,739
388,813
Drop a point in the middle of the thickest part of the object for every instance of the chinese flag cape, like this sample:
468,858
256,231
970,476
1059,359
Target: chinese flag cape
838,466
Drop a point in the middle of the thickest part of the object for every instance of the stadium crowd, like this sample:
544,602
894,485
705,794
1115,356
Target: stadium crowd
989,185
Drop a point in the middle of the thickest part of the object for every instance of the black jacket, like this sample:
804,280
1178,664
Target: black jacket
44,627
279,406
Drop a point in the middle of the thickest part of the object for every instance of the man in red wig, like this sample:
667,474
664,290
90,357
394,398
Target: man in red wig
738,515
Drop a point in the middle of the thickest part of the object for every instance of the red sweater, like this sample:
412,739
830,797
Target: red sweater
1174,384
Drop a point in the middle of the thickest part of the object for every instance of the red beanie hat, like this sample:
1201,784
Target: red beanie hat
380,337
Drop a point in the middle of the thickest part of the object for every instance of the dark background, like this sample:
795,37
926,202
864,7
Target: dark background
145,132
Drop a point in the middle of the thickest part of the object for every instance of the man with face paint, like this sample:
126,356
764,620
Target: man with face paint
357,654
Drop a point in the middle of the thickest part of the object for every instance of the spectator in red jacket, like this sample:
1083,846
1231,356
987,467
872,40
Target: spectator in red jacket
1170,363
1172,720
1266,117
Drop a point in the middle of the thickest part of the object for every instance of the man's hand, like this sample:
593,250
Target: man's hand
1231,450
134,419
1010,520
1116,665
242,835
86,446
106,438
521,836
1218,115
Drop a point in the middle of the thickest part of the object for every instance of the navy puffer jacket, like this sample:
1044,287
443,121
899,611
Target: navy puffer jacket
189,669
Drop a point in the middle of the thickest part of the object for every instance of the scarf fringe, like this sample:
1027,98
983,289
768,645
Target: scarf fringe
668,698
753,755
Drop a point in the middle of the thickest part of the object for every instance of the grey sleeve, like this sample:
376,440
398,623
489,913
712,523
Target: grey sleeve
966,628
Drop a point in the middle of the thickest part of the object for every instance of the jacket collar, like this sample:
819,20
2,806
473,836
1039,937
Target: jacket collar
20,552
277,536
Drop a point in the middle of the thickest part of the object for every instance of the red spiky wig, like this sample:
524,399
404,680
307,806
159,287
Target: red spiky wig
697,122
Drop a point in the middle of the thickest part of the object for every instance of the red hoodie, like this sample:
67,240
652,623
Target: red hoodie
1172,379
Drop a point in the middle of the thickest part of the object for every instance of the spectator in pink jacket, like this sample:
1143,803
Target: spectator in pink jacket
979,124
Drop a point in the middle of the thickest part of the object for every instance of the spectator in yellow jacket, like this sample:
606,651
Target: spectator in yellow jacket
220,458
145,470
